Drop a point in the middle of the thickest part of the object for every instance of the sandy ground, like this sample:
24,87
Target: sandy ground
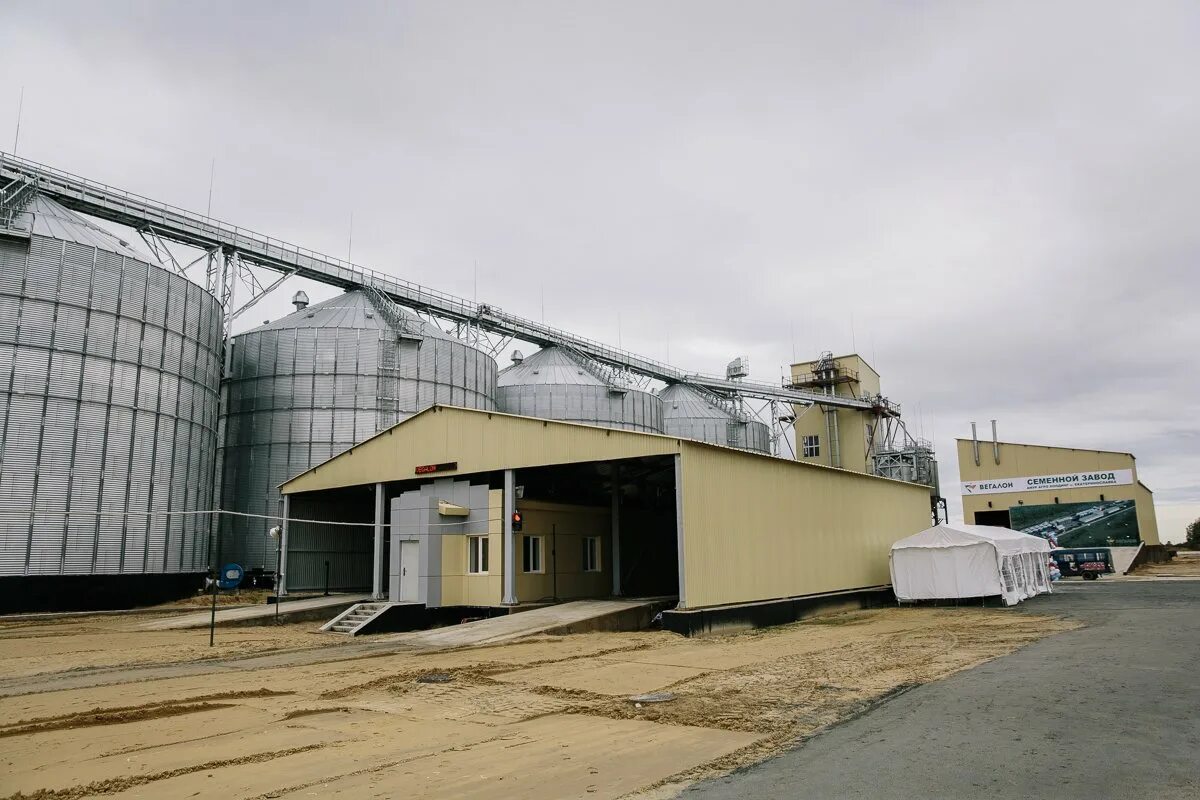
30,646
547,717
1185,564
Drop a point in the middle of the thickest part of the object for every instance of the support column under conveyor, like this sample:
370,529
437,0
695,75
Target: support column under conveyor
832,433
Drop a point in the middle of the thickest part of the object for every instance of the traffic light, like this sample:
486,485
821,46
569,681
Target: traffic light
516,521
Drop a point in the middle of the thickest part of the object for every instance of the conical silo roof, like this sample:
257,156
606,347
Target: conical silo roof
549,366
680,400
554,383
46,217
691,413
353,309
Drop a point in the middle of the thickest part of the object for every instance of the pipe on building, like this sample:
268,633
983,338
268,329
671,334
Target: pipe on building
832,432
975,443
995,444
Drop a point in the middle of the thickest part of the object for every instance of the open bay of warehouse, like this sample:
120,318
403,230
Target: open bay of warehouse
543,717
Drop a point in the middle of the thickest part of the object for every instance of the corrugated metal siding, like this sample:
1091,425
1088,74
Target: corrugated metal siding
687,412
312,385
348,549
479,442
1019,460
761,528
91,416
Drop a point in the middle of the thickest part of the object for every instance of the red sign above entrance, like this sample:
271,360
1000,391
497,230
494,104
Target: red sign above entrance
426,469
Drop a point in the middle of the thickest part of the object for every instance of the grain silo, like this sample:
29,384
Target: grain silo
692,413
555,384
109,371
311,385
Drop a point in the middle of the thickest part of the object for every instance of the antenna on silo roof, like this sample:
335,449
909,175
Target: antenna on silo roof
212,174
20,108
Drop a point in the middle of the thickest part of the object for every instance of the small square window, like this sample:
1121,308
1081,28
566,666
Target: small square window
531,554
811,446
591,553
477,555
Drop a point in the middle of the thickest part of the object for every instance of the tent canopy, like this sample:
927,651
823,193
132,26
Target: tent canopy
959,561
1003,539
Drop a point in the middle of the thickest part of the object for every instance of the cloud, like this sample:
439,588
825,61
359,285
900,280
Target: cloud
995,204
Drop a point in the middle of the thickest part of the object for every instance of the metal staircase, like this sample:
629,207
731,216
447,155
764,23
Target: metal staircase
14,198
390,311
351,621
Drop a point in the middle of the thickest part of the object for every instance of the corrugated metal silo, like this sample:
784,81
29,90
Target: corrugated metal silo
109,373
691,414
311,385
554,384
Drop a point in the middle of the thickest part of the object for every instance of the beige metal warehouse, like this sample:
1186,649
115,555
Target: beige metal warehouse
1002,479
624,509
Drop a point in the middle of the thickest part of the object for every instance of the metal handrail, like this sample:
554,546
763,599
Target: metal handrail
199,230
14,197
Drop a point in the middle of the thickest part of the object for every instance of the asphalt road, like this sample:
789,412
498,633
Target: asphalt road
1111,710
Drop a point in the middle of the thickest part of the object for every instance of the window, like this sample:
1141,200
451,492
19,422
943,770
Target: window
477,555
531,556
812,446
591,554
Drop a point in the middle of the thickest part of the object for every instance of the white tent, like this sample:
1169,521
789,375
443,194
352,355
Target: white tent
951,561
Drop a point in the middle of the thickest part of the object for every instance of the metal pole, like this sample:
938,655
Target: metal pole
216,571
212,174
509,596
20,108
281,577
327,579
377,559
554,561
616,530
278,545
212,620
680,539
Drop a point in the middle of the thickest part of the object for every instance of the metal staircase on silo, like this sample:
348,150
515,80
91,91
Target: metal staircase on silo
14,199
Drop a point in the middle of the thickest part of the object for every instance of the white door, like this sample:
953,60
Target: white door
408,571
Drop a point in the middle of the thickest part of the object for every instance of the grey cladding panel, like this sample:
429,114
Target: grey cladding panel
337,375
73,441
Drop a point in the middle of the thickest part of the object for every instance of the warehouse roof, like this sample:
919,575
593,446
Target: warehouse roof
477,441
1047,446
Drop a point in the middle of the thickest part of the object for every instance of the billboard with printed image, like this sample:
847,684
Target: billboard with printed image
1111,523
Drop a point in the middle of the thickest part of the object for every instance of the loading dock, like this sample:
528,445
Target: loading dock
603,513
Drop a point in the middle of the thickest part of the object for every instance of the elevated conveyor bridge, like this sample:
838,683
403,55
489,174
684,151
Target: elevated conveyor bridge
157,222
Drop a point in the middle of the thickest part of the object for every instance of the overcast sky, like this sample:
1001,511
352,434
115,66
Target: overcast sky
997,204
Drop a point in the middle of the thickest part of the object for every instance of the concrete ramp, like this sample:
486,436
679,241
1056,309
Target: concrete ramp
578,616
289,611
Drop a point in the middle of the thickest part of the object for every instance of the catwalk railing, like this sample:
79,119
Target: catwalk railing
197,230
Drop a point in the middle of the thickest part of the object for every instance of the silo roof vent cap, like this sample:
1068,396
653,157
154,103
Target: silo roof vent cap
517,357
300,300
